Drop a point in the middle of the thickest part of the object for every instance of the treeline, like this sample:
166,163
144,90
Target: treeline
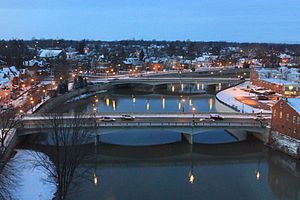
14,52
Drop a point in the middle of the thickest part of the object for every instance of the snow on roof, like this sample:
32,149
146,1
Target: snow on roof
283,55
7,73
48,53
294,103
278,81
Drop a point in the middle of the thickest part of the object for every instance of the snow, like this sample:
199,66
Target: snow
294,103
83,96
32,179
7,74
278,81
228,97
285,143
48,53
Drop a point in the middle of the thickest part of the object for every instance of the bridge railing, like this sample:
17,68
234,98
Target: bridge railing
160,124
151,114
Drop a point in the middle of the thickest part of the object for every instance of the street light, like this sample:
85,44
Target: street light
243,106
193,110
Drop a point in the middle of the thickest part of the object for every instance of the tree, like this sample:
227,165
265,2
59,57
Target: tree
141,55
80,47
65,138
9,121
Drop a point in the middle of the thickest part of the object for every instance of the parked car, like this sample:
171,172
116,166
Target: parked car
127,117
107,119
216,116
262,97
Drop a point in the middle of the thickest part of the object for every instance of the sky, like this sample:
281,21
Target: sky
197,20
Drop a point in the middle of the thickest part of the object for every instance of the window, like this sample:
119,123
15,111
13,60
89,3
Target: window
281,105
298,121
287,117
295,131
294,119
274,113
280,115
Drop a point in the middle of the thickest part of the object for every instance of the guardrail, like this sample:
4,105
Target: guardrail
157,124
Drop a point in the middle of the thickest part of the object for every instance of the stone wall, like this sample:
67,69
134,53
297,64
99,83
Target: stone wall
60,99
284,143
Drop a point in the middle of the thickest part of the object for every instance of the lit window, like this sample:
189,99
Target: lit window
280,115
274,113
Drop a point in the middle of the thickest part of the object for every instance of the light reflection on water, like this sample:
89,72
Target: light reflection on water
245,170
142,103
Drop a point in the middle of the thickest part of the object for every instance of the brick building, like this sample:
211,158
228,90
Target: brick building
272,80
285,126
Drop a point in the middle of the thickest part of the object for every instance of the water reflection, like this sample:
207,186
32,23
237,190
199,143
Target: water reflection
246,170
162,100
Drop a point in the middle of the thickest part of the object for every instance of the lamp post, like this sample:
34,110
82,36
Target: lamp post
193,111
243,106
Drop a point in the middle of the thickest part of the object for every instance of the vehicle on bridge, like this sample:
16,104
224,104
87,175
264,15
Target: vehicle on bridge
107,119
127,117
206,120
216,116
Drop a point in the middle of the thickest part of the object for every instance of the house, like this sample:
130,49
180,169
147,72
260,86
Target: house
283,81
8,78
33,62
285,126
53,54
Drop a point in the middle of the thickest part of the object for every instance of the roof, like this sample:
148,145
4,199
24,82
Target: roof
294,103
278,81
49,53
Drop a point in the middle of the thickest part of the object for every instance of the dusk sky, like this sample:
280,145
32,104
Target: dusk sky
201,20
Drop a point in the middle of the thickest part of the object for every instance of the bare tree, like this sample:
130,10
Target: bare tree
9,121
8,178
67,134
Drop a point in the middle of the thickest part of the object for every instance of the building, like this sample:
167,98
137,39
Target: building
54,54
285,126
283,81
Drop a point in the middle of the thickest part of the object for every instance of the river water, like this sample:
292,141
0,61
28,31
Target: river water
145,164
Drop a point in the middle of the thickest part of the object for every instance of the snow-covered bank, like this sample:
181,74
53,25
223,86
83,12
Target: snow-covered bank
83,96
228,97
285,144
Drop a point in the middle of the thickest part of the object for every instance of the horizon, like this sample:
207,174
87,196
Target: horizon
153,40
255,21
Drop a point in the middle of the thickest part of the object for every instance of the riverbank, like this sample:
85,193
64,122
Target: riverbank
230,96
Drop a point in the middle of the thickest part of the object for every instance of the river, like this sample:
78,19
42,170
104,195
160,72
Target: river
145,164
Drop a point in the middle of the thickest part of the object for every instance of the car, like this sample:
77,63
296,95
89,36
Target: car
127,117
108,119
216,116
262,97
206,120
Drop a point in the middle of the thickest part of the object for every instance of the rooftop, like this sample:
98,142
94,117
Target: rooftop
294,103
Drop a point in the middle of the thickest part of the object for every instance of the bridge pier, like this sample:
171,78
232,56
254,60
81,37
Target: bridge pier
187,137
97,139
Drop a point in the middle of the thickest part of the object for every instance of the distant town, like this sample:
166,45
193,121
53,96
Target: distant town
244,89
